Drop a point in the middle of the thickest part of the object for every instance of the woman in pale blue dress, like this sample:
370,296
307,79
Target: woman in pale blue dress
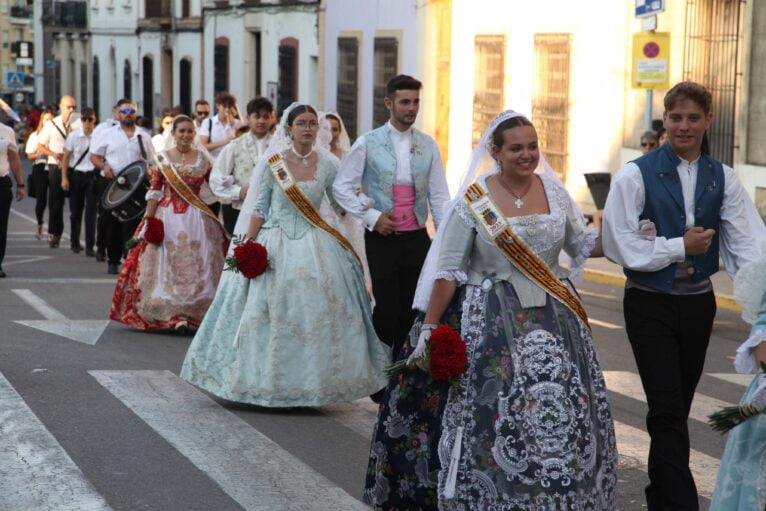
741,482
300,334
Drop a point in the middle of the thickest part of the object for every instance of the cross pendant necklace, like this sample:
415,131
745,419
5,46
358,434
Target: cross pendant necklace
519,203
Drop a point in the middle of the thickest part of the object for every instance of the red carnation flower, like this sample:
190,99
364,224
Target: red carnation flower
448,353
250,259
155,231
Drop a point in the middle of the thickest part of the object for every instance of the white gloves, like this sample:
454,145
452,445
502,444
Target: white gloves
647,229
420,349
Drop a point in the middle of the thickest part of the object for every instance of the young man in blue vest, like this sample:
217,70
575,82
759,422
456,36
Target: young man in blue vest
701,212
389,180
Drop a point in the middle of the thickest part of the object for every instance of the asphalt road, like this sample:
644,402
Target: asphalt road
93,415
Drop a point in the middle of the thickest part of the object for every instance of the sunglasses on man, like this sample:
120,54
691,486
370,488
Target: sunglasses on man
87,119
202,113
70,107
648,144
127,110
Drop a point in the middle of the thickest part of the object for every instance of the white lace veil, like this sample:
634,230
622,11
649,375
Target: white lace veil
344,142
279,143
481,164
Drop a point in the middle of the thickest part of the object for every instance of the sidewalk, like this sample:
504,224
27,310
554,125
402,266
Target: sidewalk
603,271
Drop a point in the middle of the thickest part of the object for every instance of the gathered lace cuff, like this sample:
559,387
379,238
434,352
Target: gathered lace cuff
577,263
457,275
745,362
259,214
749,287
154,195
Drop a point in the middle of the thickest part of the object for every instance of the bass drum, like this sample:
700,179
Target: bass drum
125,197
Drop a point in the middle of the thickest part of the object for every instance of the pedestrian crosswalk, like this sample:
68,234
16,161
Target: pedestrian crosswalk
37,473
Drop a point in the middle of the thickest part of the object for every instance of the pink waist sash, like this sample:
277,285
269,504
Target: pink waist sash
404,208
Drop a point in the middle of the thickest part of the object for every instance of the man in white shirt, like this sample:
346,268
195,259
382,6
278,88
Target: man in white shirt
701,211
234,165
115,149
78,177
51,144
389,180
9,163
201,113
216,132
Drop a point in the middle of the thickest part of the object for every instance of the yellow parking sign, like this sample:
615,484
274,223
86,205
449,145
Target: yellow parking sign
651,60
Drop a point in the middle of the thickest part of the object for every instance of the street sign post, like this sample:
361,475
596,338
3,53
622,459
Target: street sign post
649,7
14,79
650,66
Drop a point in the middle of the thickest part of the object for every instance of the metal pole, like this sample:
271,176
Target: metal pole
648,109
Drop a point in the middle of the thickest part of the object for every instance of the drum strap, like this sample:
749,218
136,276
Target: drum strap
141,146
61,132
210,129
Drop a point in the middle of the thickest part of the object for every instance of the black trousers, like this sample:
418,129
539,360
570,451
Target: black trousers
230,216
117,233
83,196
395,262
56,198
102,214
6,198
669,335
40,180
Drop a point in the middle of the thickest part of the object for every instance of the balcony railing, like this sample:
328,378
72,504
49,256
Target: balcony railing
19,11
65,15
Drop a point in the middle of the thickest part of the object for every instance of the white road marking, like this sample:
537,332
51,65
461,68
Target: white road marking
249,467
25,259
629,384
35,471
33,220
604,324
359,416
596,295
735,378
63,280
634,443
87,331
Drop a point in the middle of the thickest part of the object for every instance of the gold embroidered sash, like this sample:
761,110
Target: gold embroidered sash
182,189
287,182
495,225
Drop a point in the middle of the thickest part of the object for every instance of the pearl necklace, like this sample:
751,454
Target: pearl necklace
303,157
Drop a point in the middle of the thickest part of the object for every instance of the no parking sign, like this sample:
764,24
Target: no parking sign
651,57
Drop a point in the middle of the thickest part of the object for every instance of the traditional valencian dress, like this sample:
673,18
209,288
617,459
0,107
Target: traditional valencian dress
741,482
531,415
162,286
301,333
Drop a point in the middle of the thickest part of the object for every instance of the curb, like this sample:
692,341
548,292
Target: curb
602,277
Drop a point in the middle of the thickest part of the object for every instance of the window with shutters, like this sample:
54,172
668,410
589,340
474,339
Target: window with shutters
221,65
550,98
386,63
347,100
488,82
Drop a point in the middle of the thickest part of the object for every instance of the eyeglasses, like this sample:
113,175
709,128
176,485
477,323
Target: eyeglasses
303,124
648,144
127,110
202,114
87,119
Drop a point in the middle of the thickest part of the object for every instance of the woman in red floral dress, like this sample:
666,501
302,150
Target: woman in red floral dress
170,285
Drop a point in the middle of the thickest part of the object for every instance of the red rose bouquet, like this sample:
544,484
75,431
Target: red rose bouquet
445,357
152,231
249,258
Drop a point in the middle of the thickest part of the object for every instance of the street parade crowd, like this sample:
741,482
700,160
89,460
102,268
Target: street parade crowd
303,266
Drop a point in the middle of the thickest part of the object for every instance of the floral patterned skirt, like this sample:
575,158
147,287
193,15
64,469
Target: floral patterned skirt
537,431
160,286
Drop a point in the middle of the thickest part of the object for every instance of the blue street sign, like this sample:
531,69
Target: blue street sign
649,7
14,79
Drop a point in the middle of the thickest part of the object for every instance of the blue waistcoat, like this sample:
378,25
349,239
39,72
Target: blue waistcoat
380,169
664,205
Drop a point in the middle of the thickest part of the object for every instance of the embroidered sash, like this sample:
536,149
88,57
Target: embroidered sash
284,177
495,225
181,188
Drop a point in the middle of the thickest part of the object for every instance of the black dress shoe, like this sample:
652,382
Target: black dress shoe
76,249
112,269
89,252
2,274
100,257
54,242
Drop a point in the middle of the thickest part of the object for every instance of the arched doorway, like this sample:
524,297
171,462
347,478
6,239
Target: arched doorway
127,80
148,86
96,87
